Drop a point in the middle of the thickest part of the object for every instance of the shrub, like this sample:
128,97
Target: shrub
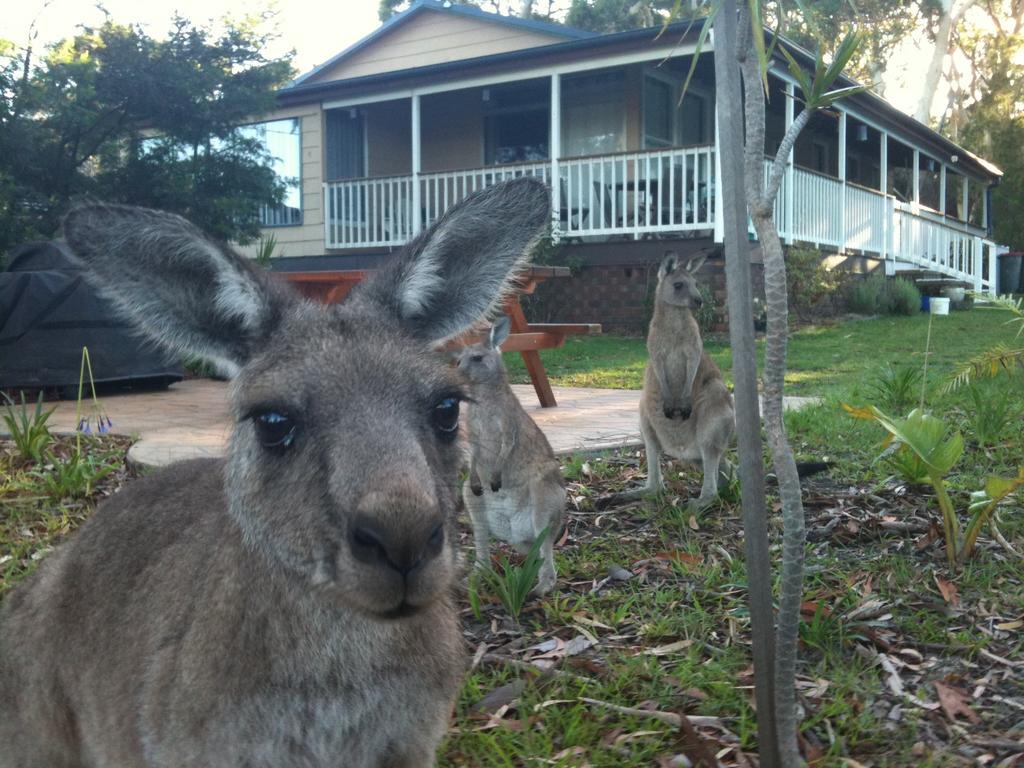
881,295
863,297
808,281
902,297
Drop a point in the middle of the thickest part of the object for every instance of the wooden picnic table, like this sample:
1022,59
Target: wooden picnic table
332,285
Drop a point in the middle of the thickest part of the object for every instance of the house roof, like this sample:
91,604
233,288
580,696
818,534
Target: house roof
444,6
580,44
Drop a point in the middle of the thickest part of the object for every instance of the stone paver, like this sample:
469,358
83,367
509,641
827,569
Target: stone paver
190,419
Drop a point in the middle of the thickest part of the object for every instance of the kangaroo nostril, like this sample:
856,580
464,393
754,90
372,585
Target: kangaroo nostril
435,543
367,545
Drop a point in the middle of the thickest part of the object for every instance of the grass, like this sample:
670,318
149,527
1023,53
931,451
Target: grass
650,611
823,360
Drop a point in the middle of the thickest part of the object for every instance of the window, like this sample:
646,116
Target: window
282,139
346,144
658,108
516,122
593,114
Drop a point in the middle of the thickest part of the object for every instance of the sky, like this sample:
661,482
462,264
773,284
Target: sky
316,30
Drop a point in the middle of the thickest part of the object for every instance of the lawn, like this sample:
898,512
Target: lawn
823,360
903,663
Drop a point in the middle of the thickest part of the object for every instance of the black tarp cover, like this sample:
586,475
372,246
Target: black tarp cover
48,313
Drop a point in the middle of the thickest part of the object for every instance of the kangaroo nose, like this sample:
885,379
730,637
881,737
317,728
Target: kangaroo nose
698,302
374,544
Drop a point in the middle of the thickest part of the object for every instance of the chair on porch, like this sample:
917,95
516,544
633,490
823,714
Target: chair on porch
572,213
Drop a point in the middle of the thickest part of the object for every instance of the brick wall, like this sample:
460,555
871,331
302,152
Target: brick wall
618,295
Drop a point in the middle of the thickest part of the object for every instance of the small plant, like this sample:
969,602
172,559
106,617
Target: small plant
30,434
895,387
991,408
74,476
265,248
512,584
925,436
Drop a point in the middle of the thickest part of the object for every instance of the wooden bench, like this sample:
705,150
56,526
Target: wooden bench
332,285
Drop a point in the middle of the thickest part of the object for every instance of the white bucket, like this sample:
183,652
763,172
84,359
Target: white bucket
939,305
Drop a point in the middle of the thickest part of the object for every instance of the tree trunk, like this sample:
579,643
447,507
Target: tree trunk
952,12
744,370
773,379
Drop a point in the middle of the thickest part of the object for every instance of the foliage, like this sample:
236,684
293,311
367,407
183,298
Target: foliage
30,434
808,280
265,248
990,409
512,583
708,312
878,294
999,358
902,297
73,122
895,387
73,476
926,436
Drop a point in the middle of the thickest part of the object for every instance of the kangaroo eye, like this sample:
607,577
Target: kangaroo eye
477,358
276,430
446,416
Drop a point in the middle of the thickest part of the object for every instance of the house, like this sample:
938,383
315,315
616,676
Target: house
444,99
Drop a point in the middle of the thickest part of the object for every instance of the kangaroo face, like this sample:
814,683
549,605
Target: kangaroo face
677,284
344,459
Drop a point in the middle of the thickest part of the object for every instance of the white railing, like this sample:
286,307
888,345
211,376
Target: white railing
441,190
637,193
368,212
673,190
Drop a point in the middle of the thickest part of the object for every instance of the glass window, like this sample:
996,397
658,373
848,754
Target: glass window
929,180
593,114
658,98
516,122
955,195
282,139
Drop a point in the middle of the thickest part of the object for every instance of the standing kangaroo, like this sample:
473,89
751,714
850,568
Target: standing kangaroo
515,489
686,410
291,605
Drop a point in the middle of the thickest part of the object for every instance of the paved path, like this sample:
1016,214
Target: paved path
190,419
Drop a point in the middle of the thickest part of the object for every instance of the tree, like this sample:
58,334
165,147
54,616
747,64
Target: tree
74,123
618,15
525,9
984,111
747,49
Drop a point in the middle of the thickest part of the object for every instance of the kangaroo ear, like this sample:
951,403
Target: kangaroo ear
461,269
179,287
499,332
696,263
668,264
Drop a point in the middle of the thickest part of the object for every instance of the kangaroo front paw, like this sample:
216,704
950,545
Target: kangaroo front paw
495,485
478,490
684,412
668,410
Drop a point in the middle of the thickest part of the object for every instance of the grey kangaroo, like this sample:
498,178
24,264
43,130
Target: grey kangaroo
686,410
291,605
515,488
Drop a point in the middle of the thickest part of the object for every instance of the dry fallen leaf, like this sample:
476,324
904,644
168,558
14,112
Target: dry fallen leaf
948,590
679,556
955,702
